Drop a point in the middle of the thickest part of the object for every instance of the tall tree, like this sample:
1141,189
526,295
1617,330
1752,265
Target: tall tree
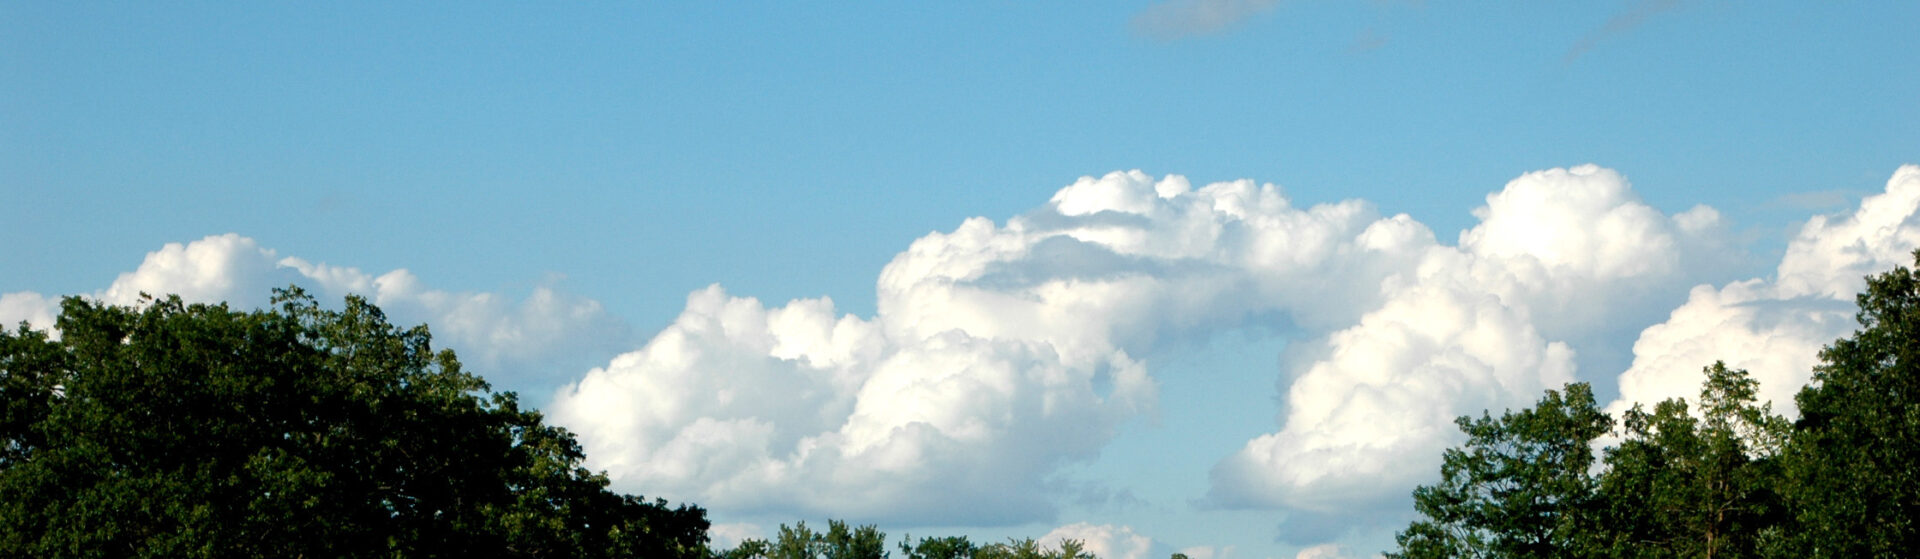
1855,454
174,430
1681,486
1519,488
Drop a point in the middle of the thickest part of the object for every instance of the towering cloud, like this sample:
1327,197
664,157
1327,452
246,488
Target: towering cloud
1459,332
1000,351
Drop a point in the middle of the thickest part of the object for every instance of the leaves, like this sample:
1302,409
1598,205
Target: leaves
1855,454
1726,479
1519,489
195,430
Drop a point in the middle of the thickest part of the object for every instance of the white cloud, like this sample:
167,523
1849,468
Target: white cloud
1000,351
1467,329
744,407
1105,541
1207,552
1775,329
728,535
1324,551
530,341
37,310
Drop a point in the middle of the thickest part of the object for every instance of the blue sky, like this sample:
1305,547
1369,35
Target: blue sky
580,171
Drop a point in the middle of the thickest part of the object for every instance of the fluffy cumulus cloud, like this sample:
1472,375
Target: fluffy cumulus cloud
517,341
725,535
1000,351
1464,328
1106,541
25,306
1776,327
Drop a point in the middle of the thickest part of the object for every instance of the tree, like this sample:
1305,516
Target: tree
951,547
1520,488
175,430
1855,454
1680,486
840,541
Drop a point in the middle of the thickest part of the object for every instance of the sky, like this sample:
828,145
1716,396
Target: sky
1201,276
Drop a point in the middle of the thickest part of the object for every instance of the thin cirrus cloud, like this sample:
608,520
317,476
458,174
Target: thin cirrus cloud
1179,19
1620,24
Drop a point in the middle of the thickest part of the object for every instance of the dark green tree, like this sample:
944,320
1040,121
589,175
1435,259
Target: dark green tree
840,541
1519,488
1680,486
951,547
1855,454
175,430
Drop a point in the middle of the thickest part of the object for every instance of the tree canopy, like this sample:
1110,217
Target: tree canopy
176,430
1722,478
842,541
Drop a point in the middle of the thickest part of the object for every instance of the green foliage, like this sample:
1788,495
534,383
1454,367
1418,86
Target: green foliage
1732,480
1519,488
840,541
1855,454
952,547
1678,486
176,430
867,542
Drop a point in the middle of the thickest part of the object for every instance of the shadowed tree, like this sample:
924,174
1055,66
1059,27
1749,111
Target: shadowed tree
1855,455
175,430
1680,486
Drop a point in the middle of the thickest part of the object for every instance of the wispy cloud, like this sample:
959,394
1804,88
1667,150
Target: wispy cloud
1179,19
1619,24
1367,41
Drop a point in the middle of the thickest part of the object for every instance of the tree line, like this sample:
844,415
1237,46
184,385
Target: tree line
1719,477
